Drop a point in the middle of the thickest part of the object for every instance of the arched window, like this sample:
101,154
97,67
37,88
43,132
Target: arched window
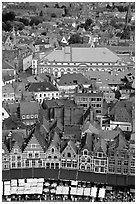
85,152
82,159
88,167
52,150
88,160
82,167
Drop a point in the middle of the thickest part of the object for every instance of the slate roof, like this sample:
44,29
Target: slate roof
83,55
7,65
73,79
29,107
72,144
89,128
72,130
42,86
108,134
7,89
119,142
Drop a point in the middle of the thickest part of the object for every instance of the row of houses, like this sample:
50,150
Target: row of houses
93,153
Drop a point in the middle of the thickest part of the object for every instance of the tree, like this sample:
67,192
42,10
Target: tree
75,39
117,94
10,16
35,21
25,21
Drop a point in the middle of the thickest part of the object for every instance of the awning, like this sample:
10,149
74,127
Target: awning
6,175
131,181
59,190
121,180
16,173
87,191
99,178
93,192
39,172
67,174
101,192
85,176
80,191
28,173
73,191
51,174
65,190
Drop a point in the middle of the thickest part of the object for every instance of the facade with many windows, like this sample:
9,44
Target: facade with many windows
94,100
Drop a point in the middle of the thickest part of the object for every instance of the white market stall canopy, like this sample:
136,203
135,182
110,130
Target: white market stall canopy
93,192
13,190
13,182
7,189
80,191
74,183
73,191
87,191
65,190
101,192
59,190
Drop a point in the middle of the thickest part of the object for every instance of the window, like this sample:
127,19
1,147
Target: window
2,114
88,167
98,111
55,157
40,95
15,151
18,157
13,165
132,170
100,154
102,169
88,160
52,150
69,154
36,116
85,152
119,162
49,157
125,171
96,162
98,99
96,169
111,169
30,155
63,163
23,116
112,154
40,163
27,116
33,163
126,162
13,158
32,116
33,145
27,163
68,163
57,165
133,163
82,159
52,165
122,154
98,105
103,163
74,164
37,155
82,167
47,165
119,170
112,161
19,164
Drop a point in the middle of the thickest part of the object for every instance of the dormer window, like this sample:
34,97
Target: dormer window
100,154
15,151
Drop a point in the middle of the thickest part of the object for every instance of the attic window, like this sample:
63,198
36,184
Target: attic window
85,152
52,150
33,145
15,151
100,154
47,88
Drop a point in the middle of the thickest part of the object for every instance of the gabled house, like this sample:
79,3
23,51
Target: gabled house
52,154
85,153
34,150
69,156
100,156
8,95
16,154
118,155
5,157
